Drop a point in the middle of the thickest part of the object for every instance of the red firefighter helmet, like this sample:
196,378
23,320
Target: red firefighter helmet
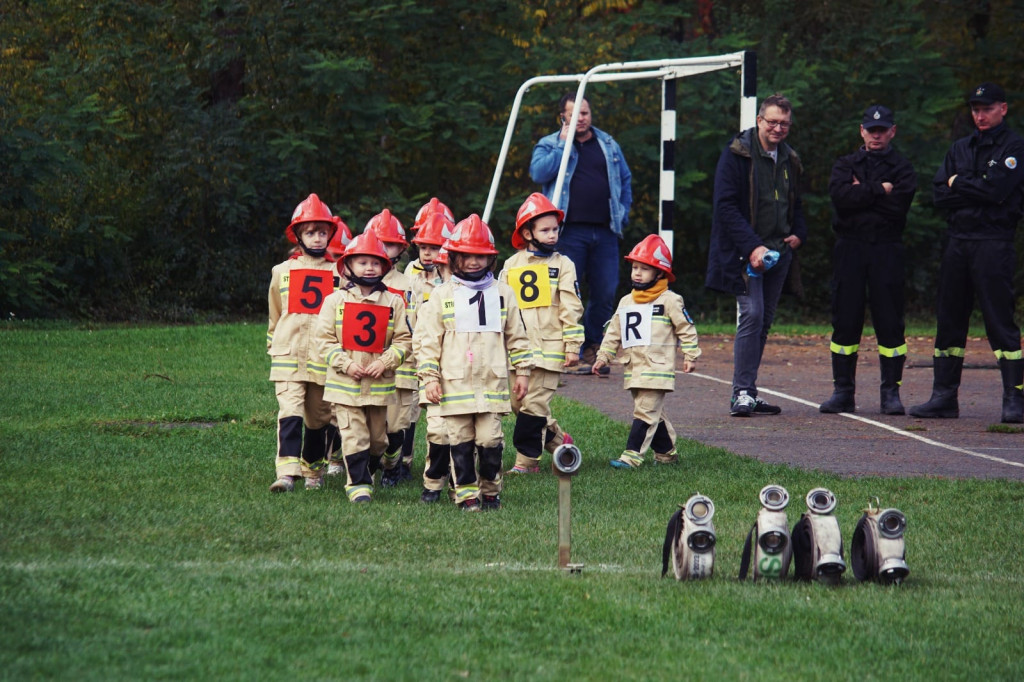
430,208
368,244
434,230
388,228
472,235
654,252
535,206
310,210
442,254
340,240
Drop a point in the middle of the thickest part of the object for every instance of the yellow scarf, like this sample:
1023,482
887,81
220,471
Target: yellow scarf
648,295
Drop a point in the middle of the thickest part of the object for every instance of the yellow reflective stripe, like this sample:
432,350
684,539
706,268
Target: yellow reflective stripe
572,333
1008,355
284,364
688,346
333,353
550,355
519,356
316,367
452,398
632,457
354,491
843,350
405,373
468,492
282,461
657,375
949,352
892,352
428,366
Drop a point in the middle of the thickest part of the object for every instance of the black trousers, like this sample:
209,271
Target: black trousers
867,274
983,268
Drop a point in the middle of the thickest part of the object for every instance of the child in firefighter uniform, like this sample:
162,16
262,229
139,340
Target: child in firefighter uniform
648,325
544,282
432,231
363,336
390,231
467,334
298,288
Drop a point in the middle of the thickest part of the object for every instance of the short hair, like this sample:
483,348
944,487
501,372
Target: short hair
568,97
776,100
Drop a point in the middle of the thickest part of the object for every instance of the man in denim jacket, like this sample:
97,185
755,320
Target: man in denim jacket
596,197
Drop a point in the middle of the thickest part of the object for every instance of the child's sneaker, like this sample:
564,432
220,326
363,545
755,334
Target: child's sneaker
491,502
335,469
430,496
628,460
389,478
520,469
282,485
667,458
470,505
314,483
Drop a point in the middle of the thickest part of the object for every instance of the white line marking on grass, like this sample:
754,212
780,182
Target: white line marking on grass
871,422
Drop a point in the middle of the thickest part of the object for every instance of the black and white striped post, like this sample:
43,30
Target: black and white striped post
667,188
748,91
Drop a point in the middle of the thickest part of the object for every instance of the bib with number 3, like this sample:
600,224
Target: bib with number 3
635,324
364,327
477,311
532,285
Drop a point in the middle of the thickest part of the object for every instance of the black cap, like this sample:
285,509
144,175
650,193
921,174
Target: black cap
987,93
877,116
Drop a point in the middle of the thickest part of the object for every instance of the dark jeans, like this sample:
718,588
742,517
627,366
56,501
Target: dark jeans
755,312
594,250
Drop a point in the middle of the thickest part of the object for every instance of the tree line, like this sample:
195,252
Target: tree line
151,153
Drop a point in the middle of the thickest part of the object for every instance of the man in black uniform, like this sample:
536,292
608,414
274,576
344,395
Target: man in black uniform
981,186
871,191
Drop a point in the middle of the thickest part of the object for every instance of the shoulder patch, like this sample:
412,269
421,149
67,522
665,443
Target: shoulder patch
1011,162
687,316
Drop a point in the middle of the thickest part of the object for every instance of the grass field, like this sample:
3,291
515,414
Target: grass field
138,541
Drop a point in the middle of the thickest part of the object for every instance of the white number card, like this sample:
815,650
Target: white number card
477,311
635,323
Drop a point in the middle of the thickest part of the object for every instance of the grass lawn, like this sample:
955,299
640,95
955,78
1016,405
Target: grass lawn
138,541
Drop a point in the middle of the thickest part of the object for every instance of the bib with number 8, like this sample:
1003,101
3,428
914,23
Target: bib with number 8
532,285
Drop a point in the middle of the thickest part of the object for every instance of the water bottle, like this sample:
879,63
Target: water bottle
770,258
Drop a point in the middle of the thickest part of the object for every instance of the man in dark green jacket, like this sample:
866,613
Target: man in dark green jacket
757,209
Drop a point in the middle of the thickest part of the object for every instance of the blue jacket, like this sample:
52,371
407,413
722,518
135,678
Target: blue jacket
547,155
733,236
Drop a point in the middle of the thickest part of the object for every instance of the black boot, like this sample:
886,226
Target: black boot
945,385
892,378
844,371
1013,398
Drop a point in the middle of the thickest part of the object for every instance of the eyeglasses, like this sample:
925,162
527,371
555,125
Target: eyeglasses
781,125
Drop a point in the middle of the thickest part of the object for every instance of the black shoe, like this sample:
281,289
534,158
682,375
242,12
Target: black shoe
491,502
761,407
472,505
404,471
389,478
430,496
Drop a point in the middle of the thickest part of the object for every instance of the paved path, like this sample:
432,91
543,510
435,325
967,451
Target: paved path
796,375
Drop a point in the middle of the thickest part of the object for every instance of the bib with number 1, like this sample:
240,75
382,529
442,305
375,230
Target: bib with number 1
477,311
532,285
364,327
635,324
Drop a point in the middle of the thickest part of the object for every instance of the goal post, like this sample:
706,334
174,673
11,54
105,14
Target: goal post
668,71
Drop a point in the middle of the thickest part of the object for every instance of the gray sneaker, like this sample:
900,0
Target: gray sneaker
282,485
742,405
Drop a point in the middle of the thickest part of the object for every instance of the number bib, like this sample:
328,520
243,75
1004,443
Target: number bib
477,311
532,285
364,327
635,323
307,290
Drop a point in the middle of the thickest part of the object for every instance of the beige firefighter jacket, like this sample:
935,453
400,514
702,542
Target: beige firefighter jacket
342,388
554,329
290,343
472,367
400,285
653,366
